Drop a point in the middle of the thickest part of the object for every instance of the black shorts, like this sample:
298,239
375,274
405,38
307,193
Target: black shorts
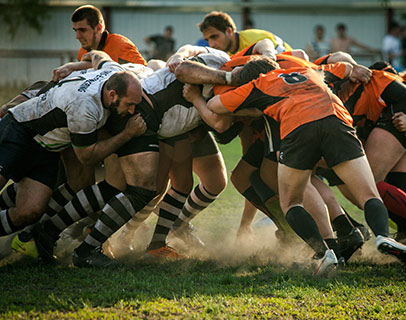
329,137
385,123
330,176
139,144
255,154
205,146
21,156
272,142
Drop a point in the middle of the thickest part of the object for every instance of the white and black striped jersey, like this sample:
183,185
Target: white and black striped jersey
70,112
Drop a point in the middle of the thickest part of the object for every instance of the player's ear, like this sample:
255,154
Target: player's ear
99,27
229,31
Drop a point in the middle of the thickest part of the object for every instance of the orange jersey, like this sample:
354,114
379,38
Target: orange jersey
119,48
287,61
292,97
363,101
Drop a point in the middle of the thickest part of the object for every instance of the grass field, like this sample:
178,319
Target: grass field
253,280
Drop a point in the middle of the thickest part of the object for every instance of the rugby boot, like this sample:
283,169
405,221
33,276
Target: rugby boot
95,259
326,264
25,247
390,246
350,243
165,252
187,233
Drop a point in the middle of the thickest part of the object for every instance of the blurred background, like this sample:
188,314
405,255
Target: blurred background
37,35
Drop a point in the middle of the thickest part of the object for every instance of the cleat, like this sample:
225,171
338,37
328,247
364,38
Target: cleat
390,246
45,243
350,243
27,248
165,252
326,264
188,235
95,259
365,232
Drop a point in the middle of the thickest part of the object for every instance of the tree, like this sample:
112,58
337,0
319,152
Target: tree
16,13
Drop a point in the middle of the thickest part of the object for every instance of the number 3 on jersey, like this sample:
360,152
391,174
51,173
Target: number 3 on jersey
293,77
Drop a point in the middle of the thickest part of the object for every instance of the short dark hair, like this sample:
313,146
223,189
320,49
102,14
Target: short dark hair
319,27
218,20
90,13
341,26
256,66
169,28
119,82
383,65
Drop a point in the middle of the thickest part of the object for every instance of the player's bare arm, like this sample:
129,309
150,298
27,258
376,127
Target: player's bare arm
220,123
98,151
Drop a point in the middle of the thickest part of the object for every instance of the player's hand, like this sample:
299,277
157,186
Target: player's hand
62,71
360,74
399,121
174,61
191,92
135,126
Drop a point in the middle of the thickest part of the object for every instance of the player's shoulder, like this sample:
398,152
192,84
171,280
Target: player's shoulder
115,37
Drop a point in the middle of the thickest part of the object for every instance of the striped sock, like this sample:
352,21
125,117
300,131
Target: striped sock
6,226
115,214
8,197
198,200
87,201
169,211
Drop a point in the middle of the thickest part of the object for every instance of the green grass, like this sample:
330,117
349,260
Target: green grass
253,280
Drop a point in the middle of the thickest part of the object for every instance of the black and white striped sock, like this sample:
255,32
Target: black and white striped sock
8,197
115,214
6,226
169,211
198,200
87,201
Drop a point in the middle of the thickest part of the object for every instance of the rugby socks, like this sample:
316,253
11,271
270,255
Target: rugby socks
198,200
169,210
306,228
393,198
87,201
333,245
6,226
60,197
342,225
140,217
8,197
376,216
115,214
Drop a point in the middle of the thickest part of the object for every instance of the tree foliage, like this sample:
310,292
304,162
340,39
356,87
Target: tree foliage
17,13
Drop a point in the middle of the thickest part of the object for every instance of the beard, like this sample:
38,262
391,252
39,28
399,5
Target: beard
113,108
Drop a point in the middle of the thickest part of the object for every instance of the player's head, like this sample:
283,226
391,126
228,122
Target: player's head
384,66
256,66
319,31
218,29
341,28
124,92
88,24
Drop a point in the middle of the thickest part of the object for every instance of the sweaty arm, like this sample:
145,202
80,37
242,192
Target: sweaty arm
96,58
183,52
96,152
220,123
196,73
